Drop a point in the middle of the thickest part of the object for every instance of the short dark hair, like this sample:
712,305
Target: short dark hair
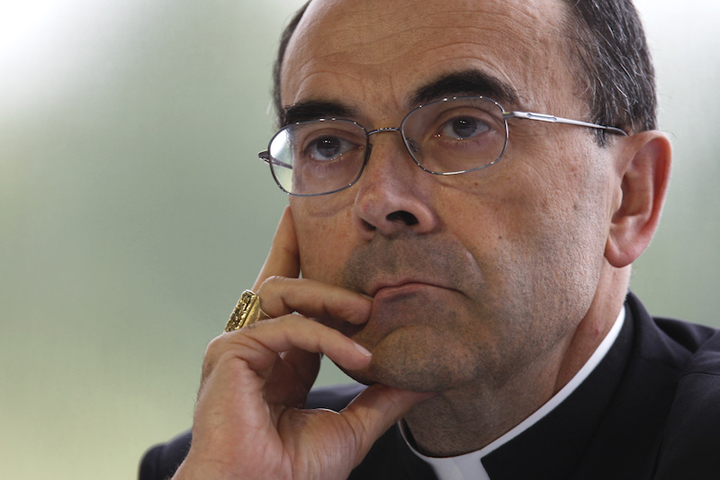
607,39
284,41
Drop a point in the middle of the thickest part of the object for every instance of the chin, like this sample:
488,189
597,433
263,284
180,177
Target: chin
411,359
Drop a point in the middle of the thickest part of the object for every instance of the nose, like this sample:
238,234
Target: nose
394,195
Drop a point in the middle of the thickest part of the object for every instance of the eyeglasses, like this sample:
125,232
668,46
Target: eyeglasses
446,137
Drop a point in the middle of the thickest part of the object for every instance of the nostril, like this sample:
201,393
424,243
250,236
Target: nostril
401,215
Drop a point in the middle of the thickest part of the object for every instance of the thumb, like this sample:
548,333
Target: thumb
375,410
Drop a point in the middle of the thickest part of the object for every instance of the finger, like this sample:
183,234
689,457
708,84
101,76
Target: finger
306,365
281,296
259,344
292,377
283,259
376,409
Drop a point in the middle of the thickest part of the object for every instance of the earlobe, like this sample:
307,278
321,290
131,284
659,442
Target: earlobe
643,175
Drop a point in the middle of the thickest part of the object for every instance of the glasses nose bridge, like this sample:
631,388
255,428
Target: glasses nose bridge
383,130
386,130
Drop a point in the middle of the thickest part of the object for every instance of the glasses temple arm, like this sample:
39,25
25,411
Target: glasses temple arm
542,117
265,157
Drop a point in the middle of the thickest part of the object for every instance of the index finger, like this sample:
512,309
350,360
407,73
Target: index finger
284,256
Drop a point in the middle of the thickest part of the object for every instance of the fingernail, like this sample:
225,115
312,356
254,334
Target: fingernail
363,350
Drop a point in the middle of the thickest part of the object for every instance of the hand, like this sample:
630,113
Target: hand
249,422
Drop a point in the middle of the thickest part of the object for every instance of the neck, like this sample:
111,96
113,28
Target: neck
469,418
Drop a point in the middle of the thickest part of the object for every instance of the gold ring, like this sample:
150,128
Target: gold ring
246,312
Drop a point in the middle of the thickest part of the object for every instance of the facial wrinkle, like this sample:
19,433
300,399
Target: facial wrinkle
427,258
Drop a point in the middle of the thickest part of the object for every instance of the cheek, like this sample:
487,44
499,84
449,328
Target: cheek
555,188
532,227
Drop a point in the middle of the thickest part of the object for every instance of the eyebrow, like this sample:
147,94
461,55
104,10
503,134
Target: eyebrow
314,110
466,82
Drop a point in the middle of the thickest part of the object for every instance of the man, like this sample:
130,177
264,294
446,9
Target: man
483,295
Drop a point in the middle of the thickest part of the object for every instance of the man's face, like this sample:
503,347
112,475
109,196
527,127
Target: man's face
475,277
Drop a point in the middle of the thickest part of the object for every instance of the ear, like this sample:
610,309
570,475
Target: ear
643,173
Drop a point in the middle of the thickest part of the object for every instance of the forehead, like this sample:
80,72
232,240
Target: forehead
382,51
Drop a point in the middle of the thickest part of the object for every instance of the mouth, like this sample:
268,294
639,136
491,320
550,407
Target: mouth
384,289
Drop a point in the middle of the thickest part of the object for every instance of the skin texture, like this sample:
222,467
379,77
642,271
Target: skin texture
484,294
466,301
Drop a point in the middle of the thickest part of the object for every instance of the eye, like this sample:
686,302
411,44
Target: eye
463,127
327,148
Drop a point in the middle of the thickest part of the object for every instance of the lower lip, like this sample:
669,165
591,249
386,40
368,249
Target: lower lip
400,291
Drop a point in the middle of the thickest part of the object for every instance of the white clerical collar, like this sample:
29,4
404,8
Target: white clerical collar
469,466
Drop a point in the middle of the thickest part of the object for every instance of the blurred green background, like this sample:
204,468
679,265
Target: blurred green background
133,209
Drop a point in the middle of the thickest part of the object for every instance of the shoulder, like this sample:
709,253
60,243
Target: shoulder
689,352
679,347
690,438
161,461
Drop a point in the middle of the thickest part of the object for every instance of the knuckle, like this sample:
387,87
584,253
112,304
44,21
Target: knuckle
273,283
214,345
272,279
211,354
275,293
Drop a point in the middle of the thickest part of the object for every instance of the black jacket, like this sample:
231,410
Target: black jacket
649,410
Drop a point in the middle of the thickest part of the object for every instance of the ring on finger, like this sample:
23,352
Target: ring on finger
246,312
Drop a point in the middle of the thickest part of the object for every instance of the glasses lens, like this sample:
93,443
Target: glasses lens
456,135
321,156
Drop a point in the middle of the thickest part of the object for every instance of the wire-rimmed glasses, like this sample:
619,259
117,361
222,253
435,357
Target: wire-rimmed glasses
446,137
